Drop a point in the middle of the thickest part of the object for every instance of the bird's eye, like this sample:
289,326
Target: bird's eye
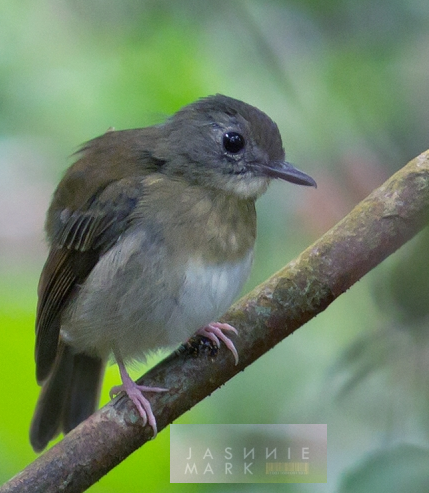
233,142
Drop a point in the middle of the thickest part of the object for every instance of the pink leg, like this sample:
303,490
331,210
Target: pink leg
134,392
213,331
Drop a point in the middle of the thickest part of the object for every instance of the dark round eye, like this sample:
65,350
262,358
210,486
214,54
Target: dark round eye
233,142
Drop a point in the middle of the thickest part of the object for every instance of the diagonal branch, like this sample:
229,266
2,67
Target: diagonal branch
376,227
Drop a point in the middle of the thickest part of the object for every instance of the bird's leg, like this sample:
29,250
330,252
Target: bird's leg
134,392
213,331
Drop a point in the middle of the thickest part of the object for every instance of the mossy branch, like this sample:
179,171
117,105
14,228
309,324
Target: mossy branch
376,227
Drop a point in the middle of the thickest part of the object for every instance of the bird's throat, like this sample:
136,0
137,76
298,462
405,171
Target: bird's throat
207,223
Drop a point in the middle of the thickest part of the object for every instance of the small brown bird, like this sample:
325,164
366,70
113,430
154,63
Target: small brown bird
151,237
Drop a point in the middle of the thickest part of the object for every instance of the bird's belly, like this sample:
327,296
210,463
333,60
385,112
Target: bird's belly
209,290
135,315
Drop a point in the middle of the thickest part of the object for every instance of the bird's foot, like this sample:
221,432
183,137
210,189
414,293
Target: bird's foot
213,331
134,392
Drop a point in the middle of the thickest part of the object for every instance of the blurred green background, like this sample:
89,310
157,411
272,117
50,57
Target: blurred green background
347,82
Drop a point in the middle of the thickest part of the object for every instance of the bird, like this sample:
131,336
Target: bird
151,235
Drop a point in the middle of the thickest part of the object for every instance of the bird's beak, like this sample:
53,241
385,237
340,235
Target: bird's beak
285,171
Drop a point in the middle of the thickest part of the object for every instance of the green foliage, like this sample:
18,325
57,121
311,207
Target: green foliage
400,469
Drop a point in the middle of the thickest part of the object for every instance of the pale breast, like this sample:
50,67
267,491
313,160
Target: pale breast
205,293
167,275
209,290
136,303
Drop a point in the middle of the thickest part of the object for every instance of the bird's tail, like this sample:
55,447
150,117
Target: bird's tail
69,395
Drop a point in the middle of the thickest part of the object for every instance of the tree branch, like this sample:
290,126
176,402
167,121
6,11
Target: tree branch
376,227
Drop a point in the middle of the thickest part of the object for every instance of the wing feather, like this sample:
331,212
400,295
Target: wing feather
79,241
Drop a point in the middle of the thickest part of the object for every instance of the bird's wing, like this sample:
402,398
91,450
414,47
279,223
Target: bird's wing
78,239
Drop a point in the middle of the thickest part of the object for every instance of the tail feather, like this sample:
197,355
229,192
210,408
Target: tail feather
84,391
68,396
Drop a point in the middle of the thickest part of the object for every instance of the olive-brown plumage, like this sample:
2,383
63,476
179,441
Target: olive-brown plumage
151,236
